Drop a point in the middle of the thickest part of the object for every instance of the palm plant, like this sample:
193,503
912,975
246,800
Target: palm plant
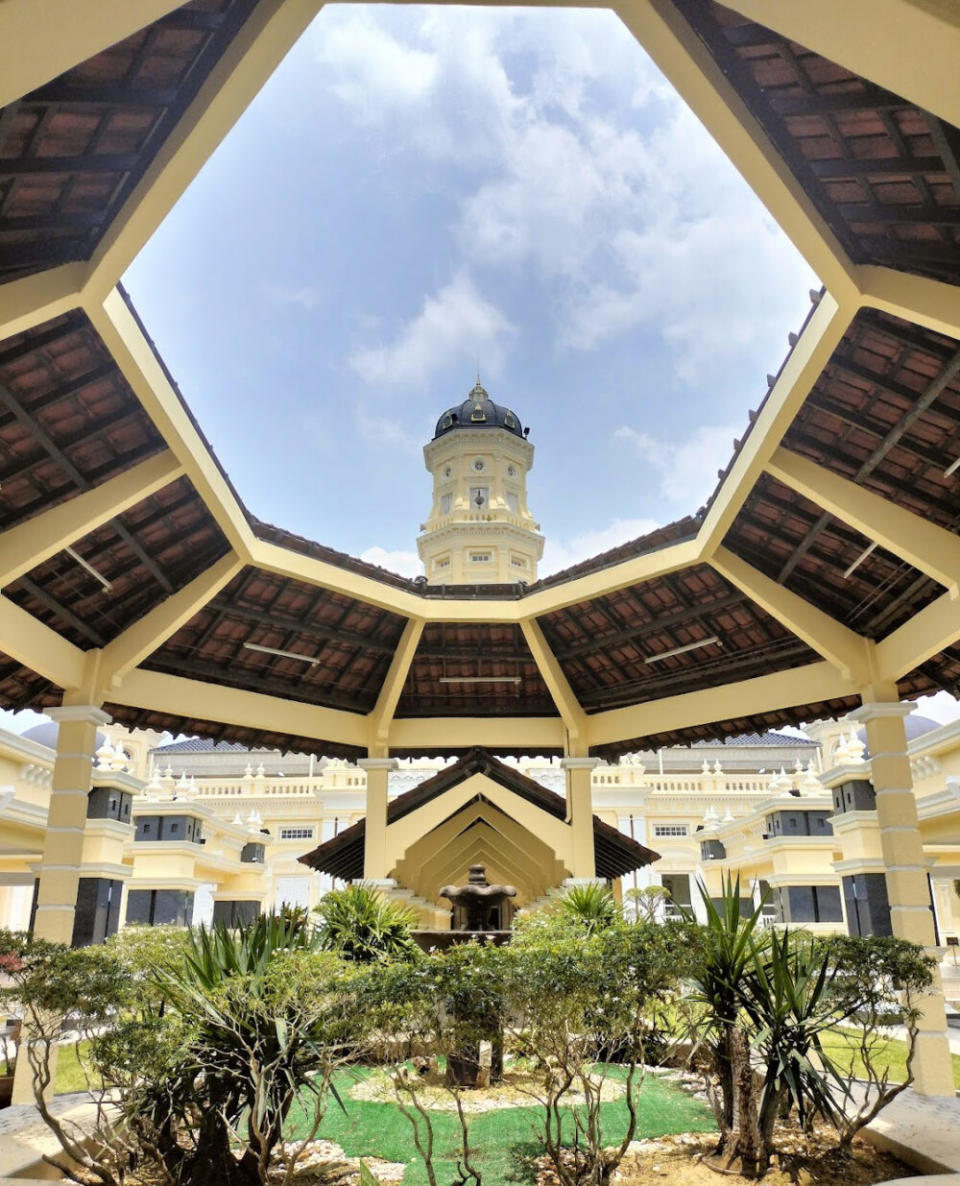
360,924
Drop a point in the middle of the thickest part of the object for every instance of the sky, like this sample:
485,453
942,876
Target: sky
419,193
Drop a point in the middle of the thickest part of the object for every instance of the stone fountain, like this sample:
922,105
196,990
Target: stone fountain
478,907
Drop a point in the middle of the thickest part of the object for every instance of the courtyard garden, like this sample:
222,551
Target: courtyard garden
592,1048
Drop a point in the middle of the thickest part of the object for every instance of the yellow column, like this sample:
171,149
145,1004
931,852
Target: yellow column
905,871
66,819
377,862
62,845
580,817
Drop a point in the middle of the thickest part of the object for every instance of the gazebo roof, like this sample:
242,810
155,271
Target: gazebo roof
826,561
616,854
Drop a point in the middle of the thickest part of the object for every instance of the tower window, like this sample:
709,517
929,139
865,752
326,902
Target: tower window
478,413
480,557
518,562
513,502
445,504
509,420
479,497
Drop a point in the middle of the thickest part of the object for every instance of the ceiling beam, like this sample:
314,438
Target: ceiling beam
36,646
913,50
66,615
766,693
140,640
568,706
151,385
922,544
840,646
428,734
40,41
382,715
31,300
803,366
931,303
28,544
919,639
248,60
706,86
183,697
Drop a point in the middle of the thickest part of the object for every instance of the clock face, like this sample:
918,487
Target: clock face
478,496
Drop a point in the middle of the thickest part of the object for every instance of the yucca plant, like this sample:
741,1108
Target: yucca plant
732,940
360,924
269,1018
786,996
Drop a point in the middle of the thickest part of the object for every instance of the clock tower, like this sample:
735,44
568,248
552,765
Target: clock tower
480,530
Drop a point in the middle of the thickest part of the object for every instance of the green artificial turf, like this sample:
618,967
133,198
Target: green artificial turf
505,1140
841,1043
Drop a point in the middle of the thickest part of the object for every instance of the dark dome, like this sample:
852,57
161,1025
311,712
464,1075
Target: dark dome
46,734
478,411
914,725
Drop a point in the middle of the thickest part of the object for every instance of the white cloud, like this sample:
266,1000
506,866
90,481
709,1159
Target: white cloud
20,722
620,204
560,554
371,71
941,707
455,324
407,564
687,468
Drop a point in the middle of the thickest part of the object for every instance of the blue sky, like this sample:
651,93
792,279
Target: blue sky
417,190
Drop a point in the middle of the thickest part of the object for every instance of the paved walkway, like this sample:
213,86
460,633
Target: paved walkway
24,1138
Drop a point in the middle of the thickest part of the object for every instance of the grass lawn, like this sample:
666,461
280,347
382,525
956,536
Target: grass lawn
893,1055
69,1075
505,1139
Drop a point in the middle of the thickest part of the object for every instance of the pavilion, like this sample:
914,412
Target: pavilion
822,578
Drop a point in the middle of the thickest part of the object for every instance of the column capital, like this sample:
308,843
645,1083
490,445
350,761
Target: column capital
873,710
90,713
579,763
378,763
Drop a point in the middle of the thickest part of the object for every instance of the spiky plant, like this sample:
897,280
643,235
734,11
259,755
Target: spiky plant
360,924
591,906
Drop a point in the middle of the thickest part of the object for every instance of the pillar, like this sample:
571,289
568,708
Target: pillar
60,866
377,862
580,817
905,872
60,869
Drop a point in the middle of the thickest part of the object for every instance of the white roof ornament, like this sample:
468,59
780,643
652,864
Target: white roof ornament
810,784
855,748
717,768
